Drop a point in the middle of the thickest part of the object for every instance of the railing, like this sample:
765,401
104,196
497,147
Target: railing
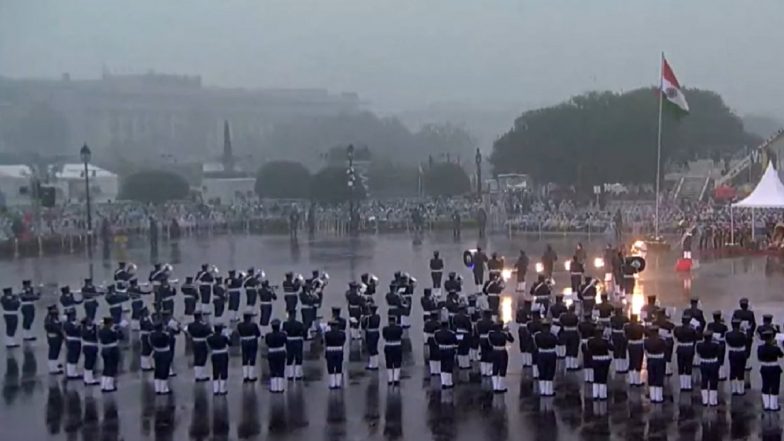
704,190
677,190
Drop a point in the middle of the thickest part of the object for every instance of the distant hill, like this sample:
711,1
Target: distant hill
762,125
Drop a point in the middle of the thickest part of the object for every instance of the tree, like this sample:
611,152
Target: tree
283,180
330,186
608,137
154,186
446,179
388,179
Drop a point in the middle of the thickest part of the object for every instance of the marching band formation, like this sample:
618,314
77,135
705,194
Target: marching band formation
591,329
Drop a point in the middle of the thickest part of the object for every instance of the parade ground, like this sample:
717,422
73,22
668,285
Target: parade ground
37,406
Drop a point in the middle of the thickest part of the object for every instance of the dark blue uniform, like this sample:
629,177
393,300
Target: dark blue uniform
190,296
769,355
498,339
708,350
90,299
334,340
90,350
546,342
234,287
109,336
205,280
600,349
115,300
54,338
249,334
432,325
219,297
198,332
219,354
447,345
685,337
736,341
135,294
145,329
28,297
276,357
11,304
371,324
68,301
73,347
635,332
295,334
251,285
393,351
266,297
161,346
291,287
655,348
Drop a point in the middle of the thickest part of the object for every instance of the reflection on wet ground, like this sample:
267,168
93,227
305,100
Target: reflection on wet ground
367,408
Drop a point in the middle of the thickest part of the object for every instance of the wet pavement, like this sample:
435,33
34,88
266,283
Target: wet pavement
37,406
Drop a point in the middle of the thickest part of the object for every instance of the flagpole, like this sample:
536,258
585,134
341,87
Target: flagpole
658,152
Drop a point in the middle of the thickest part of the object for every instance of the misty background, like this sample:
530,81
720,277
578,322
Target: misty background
472,64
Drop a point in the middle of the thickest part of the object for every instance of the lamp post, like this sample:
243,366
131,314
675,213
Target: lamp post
478,174
351,181
85,153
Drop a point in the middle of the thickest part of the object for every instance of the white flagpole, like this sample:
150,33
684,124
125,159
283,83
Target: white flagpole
658,152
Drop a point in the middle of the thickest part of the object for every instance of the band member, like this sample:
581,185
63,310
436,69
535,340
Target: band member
463,329
447,343
569,337
171,326
198,331
308,302
483,328
393,351
54,339
495,265
11,304
655,347
234,286
558,308
428,303
266,297
276,356
587,294
251,284
534,326
219,355
649,312
371,324
769,354
89,295
635,333
521,268
600,349
406,291
736,341
73,345
162,357
453,285
708,350
436,271
719,330
493,289
108,336
586,329
249,334
135,294
685,337
748,324
355,307
67,300
190,295
618,335
666,328
546,359
123,274
394,303
89,334
115,299
480,261
541,294
291,286
696,314
548,261
206,280
295,334
334,340
218,298
146,327
28,297
499,336
433,354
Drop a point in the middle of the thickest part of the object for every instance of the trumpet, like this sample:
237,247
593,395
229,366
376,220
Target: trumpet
214,270
299,278
241,275
131,268
167,268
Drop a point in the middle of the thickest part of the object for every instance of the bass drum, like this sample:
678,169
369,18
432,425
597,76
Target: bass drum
636,262
468,258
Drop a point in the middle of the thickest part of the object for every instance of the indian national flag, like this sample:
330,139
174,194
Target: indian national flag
671,89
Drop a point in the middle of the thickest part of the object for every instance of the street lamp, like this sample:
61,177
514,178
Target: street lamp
478,173
351,181
85,153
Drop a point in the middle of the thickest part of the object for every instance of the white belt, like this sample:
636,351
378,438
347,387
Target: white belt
235,290
219,351
144,332
205,283
52,335
160,349
109,345
734,349
635,342
295,338
248,338
708,360
600,358
547,351
436,271
375,330
392,343
654,356
492,294
28,303
569,328
89,344
67,338
199,339
483,335
446,347
719,339
272,350
618,331
265,303
576,274
769,363
684,345
334,349
584,340
499,348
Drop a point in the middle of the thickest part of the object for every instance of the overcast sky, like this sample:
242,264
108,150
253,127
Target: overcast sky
408,54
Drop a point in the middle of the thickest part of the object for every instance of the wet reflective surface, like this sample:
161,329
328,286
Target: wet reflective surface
36,406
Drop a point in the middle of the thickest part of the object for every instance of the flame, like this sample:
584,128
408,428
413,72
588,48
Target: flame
506,274
539,267
568,265
598,262
506,309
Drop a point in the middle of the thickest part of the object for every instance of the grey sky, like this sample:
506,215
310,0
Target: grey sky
407,54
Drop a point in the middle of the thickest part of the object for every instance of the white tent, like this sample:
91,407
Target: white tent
769,193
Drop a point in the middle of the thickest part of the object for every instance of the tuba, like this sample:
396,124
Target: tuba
213,270
131,268
167,269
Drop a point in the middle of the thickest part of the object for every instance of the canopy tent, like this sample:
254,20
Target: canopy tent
769,193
